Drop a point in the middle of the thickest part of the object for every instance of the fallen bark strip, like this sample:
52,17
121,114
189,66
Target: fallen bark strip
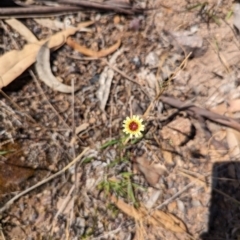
24,11
109,5
197,112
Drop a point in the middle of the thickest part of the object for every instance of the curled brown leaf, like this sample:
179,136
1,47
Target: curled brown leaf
151,171
15,62
44,72
91,53
156,218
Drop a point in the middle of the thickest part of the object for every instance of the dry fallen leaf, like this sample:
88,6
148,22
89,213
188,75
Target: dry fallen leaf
187,41
91,53
105,80
169,221
56,25
50,23
81,128
156,218
21,29
44,72
233,140
11,176
15,62
153,197
168,158
151,171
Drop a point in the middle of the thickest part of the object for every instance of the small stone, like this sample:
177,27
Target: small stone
172,206
135,24
90,183
196,203
136,61
92,120
81,223
116,19
152,59
180,206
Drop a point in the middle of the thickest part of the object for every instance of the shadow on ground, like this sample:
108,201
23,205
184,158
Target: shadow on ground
224,211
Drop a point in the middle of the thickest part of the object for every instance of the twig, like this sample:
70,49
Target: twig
1,233
105,80
108,233
62,207
37,11
11,201
73,149
120,72
175,196
121,8
159,94
65,202
195,112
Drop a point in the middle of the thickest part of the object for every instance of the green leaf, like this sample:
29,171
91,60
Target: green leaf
87,160
229,14
137,186
109,143
3,152
126,174
130,192
216,19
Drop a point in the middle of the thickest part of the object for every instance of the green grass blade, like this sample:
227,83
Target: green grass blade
109,143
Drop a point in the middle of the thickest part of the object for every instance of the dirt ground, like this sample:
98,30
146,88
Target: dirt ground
67,171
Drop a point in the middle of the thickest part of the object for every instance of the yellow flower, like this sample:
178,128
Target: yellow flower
133,126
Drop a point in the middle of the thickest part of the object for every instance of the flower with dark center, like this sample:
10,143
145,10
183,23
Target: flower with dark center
133,126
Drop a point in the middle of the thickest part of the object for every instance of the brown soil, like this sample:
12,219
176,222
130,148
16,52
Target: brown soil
184,166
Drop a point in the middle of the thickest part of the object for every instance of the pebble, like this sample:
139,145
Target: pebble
180,206
92,120
152,59
116,19
196,203
90,183
172,206
136,61
80,223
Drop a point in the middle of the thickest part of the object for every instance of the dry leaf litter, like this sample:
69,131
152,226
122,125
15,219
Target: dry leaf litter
114,67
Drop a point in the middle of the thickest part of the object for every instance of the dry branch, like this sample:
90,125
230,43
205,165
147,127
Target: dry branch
24,11
106,6
36,11
198,112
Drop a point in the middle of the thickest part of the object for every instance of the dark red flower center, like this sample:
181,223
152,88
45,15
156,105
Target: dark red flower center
133,126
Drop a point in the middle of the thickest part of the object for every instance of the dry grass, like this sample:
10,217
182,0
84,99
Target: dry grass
90,181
